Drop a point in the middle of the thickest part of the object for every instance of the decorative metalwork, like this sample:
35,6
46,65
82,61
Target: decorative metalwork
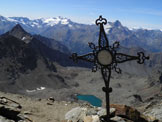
106,58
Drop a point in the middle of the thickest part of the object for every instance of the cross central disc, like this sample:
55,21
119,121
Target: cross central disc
104,57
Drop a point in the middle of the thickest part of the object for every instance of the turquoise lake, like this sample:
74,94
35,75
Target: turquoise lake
93,100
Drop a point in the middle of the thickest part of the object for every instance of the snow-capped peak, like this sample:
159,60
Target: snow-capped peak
2,18
37,23
11,20
57,20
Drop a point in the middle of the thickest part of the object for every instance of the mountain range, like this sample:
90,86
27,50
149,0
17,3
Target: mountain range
62,31
34,65
76,36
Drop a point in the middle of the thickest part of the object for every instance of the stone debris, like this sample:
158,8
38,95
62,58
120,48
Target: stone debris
52,99
9,102
10,111
93,118
118,113
75,114
120,119
27,113
154,111
83,114
48,103
3,119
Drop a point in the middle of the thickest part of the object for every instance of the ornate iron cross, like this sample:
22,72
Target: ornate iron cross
106,58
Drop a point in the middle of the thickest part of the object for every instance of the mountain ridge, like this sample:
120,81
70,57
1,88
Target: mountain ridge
29,65
76,36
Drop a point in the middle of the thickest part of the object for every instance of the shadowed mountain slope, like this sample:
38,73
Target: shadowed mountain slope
27,63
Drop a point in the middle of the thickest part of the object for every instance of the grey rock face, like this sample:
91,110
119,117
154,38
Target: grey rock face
10,111
3,119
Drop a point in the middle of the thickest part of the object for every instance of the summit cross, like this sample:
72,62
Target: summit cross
106,58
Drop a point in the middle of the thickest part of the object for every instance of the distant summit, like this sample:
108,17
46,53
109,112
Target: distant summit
39,23
117,23
20,33
28,63
17,28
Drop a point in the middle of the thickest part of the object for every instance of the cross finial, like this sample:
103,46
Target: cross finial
101,20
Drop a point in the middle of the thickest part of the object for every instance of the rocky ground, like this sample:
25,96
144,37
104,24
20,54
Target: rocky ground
18,108
140,92
127,89
41,110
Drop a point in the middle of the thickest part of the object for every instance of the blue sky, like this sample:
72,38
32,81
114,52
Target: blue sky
132,13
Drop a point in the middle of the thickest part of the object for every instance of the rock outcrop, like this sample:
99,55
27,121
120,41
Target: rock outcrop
118,113
10,111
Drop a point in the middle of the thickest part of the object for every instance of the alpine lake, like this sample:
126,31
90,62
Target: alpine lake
93,100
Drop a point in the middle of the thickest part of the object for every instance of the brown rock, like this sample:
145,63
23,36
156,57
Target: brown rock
127,112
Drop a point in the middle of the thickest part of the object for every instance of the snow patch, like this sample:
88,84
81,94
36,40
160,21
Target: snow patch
32,25
107,28
10,19
54,21
29,91
23,38
37,89
64,21
41,88
23,22
70,25
51,21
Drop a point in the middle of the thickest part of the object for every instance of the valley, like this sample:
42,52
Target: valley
39,67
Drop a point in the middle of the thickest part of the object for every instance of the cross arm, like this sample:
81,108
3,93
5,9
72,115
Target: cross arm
87,57
121,58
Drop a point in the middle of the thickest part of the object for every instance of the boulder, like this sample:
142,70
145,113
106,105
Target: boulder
87,119
119,113
10,111
126,112
76,114
131,113
93,118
